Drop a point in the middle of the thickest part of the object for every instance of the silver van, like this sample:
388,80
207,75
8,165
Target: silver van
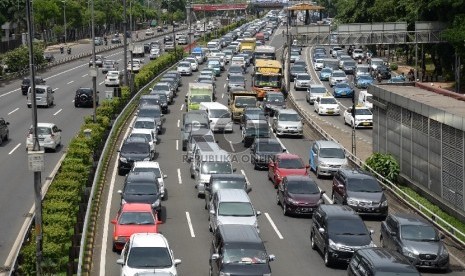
326,157
44,96
232,206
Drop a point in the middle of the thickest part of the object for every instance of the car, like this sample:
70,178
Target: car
360,191
302,81
224,181
397,79
169,46
375,62
98,41
284,164
287,122
141,187
326,158
147,253
294,56
299,195
184,68
358,54
98,61
167,88
363,117
194,63
337,76
318,64
273,101
236,81
149,32
4,131
251,113
262,150
314,91
215,65
84,97
109,65
167,38
115,39
149,135
133,218
380,261
254,129
159,29
44,96
132,149
193,120
383,71
49,136
326,105
337,232
154,53
235,70
325,73
363,81
207,73
113,78
343,89
416,239
348,66
152,112
300,63
26,83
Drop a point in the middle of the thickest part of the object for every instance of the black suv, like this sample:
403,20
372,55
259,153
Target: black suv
4,132
141,187
262,150
238,250
380,261
85,98
154,112
26,83
337,231
361,191
133,149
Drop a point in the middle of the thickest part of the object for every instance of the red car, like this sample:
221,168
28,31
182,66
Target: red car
133,218
284,164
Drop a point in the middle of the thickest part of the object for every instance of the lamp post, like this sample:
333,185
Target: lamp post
64,17
189,32
125,44
94,70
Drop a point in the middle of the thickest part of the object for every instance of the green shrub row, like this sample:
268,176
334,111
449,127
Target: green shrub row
61,204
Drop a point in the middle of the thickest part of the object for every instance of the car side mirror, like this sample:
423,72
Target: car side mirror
234,169
322,192
120,261
118,150
321,230
113,221
165,176
159,222
372,231
259,213
177,262
271,257
120,192
215,256
7,123
284,150
212,212
249,189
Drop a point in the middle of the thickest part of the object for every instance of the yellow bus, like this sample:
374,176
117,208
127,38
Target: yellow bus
267,76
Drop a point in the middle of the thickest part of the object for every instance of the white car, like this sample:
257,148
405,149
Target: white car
184,68
363,117
136,65
147,253
152,166
149,32
49,136
337,76
146,123
154,53
147,134
207,74
238,61
318,64
357,54
326,105
194,63
302,81
113,78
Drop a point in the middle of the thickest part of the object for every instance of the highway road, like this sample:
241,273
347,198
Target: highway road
186,224
17,194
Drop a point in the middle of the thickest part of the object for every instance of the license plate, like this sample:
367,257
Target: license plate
306,209
330,112
366,124
343,93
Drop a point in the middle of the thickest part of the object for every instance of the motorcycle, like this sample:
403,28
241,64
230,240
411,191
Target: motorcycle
69,51
359,60
62,49
379,78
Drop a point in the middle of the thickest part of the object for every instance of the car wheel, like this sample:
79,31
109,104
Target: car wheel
1,140
113,248
312,241
29,106
381,241
277,199
210,226
333,198
285,212
317,172
328,259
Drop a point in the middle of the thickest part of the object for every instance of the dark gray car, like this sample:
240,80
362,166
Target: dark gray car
152,111
141,187
236,81
192,120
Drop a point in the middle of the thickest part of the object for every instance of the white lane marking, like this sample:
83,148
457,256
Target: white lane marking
17,146
179,123
13,111
70,82
177,144
231,145
101,83
56,89
246,178
182,107
72,101
222,96
118,60
54,114
85,75
274,226
179,176
7,93
224,86
189,223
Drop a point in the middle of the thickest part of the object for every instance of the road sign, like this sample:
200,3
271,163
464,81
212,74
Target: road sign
35,161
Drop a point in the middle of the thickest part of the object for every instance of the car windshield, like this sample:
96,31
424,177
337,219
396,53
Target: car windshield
149,112
269,147
44,131
236,78
235,209
216,167
228,184
363,69
349,63
258,131
138,218
235,69
328,101
289,117
184,64
40,90
418,233
297,68
245,101
135,148
291,163
332,153
141,189
149,257
318,90
253,111
144,124
200,98
365,77
303,77
275,98
219,113
163,87
342,85
244,256
302,187
145,136
326,70
338,75
367,185
349,227
154,170
362,111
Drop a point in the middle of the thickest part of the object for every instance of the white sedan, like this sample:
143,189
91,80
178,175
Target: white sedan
184,68
326,105
363,117
149,32
113,78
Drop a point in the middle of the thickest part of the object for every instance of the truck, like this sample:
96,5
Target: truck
138,50
248,43
198,93
238,100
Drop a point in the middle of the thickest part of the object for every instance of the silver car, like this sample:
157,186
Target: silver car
326,157
287,122
44,96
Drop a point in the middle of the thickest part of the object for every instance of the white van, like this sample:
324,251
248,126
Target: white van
213,45
218,115
365,99
44,96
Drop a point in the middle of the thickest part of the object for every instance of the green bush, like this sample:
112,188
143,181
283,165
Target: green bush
384,164
18,59
62,184
394,66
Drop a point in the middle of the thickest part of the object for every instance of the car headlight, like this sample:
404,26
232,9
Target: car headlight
123,159
323,164
224,274
352,202
411,253
156,203
444,252
333,245
147,159
292,200
384,203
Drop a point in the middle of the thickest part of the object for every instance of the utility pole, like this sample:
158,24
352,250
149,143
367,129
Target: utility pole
189,19
36,154
288,60
354,138
125,45
94,70
64,17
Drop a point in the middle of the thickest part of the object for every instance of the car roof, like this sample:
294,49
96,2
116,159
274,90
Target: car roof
135,140
409,219
45,125
300,178
287,111
227,176
232,195
256,122
145,119
267,140
141,131
327,144
140,207
146,164
390,260
339,211
356,173
150,106
239,233
140,176
148,240
286,155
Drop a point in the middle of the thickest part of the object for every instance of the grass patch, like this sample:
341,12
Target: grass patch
435,210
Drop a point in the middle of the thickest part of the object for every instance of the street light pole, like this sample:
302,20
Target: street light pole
125,44
94,66
189,32
64,17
